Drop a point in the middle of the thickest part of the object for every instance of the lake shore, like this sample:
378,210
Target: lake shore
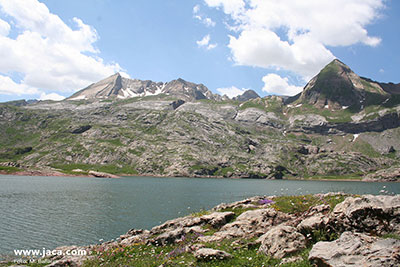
107,175
263,230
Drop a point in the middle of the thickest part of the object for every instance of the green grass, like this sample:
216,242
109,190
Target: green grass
338,116
9,169
114,142
365,149
298,204
392,235
200,213
142,255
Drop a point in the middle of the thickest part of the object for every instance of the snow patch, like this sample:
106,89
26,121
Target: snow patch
299,105
355,136
345,107
326,106
157,92
81,97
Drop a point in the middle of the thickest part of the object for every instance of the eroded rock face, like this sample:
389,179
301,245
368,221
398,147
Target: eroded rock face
281,240
356,249
387,175
370,214
208,254
249,224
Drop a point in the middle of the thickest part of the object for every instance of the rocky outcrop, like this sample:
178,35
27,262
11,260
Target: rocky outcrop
356,249
102,174
368,214
281,241
252,223
391,174
208,254
254,115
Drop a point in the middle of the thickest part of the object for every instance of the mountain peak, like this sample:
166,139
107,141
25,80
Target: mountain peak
247,95
336,86
117,86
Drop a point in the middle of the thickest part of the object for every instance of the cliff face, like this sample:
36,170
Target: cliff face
179,128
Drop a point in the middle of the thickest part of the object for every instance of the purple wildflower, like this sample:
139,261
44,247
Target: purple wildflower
266,201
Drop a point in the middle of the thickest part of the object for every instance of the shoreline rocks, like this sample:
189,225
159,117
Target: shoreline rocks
356,249
344,230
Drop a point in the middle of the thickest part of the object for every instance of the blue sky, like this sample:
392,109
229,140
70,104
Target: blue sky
52,48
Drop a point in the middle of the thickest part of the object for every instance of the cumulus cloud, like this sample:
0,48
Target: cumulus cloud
9,87
231,91
275,84
202,18
232,7
205,42
51,96
47,53
4,28
296,35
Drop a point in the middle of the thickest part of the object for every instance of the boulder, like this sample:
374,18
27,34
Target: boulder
168,237
192,224
370,214
252,223
102,174
208,254
217,219
356,249
281,241
316,221
134,236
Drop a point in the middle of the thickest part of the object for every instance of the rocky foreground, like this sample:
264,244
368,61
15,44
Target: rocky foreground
324,230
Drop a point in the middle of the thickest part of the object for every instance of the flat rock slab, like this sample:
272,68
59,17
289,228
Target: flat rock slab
356,249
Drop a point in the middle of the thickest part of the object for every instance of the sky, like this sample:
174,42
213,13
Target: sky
50,49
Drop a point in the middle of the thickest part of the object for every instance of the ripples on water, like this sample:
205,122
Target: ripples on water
46,212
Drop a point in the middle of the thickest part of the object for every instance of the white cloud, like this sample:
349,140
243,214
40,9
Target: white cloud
229,6
196,9
4,28
47,53
9,87
211,46
205,42
309,27
231,91
51,96
275,84
204,19
208,22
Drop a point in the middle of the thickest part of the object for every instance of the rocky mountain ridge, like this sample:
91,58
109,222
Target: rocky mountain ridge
188,131
120,87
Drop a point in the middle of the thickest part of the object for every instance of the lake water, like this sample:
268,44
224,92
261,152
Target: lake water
46,212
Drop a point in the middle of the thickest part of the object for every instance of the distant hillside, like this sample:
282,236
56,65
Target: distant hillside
340,125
